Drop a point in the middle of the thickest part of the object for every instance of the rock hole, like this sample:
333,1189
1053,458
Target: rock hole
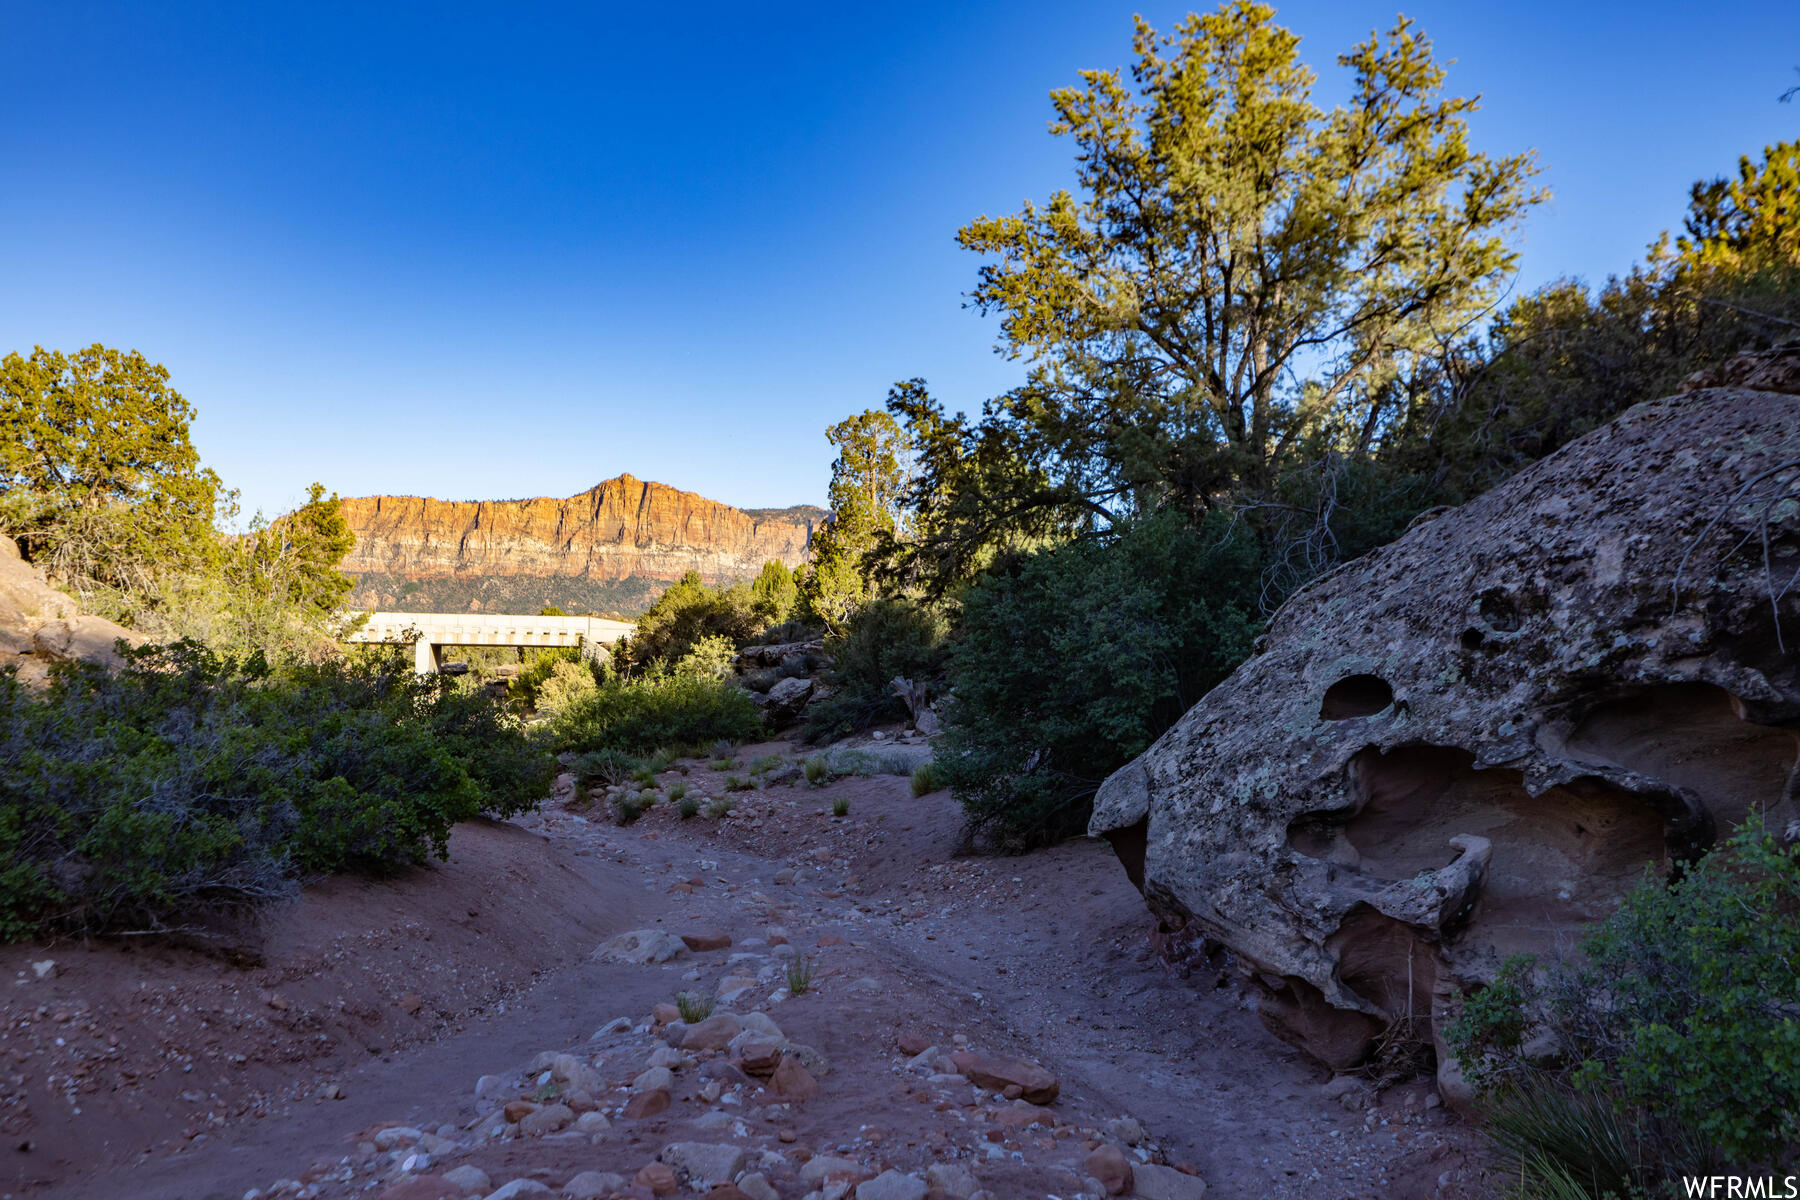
1356,696
1471,639
1132,843
1500,612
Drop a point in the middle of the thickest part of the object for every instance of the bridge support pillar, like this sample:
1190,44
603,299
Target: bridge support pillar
425,657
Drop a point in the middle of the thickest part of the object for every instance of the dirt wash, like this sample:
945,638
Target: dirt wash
347,1064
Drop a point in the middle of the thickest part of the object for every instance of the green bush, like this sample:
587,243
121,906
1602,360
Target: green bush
924,780
539,666
685,616
1068,663
884,639
604,768
185,782
708,658
1682,1012
638,715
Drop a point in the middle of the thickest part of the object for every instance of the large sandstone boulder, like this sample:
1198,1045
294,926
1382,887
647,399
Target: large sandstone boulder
40,625
1472,741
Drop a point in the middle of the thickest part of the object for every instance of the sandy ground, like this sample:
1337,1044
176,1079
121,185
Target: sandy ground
161,1074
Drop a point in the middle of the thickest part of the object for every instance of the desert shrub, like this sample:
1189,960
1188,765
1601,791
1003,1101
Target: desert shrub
604,768
568,681
817,770
539,665
186,782
1068,663
774,592
687,806
708,658
686,615
1679,1015
884,639
840,806
694,1007
924,780
721,807
869,760
638,715
787,631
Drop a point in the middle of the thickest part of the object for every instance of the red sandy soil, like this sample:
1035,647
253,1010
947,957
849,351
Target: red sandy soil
159,1073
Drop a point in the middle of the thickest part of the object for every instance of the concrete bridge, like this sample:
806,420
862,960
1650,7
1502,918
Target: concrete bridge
428,633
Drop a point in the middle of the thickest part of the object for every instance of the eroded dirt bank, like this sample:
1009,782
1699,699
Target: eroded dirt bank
381,1006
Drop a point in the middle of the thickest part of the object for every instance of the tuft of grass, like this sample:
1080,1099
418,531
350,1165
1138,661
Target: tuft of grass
645,775
737,783
723,763
766,763
817,770
603,768
688,807
546,1093
629,808
799,974
1557,1138
840,806
721,807
677,790
694,1006
924,779
723,748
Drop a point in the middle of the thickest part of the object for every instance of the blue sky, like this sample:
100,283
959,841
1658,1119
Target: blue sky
510,250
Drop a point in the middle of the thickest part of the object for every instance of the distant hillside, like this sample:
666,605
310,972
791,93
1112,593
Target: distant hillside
611,549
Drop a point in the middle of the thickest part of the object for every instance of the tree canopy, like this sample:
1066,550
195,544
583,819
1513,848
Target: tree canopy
1240,268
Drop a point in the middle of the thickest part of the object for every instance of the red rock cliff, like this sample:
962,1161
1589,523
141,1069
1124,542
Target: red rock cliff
620,529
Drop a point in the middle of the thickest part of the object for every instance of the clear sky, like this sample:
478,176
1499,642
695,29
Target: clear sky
488,251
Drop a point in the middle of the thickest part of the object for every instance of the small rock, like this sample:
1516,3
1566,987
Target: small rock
664,1014
1153,1182
701,1164
410,1003
1109,1165
642,947
756,1186
892,1185
761,1022
952,1179
1126,1129
791,1081
395,1136
656,1079
550,1119
491,1087
820,1165
759,1058
913,1042
592,1122
44,968
616,1025
518,1188
592,1185
668,1056
423,1187
646,1104
517,1110
472,1180
658,1178
1000,1071
710,940
714,1033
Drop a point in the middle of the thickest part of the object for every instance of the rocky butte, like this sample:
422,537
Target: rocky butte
612,546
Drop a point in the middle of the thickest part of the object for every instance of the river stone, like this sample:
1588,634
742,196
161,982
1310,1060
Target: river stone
642,946
1468,743
702,1164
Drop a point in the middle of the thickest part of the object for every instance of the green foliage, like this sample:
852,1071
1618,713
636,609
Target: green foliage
882,640
924,780
737,783
721,807
1748,223
709,658
774,593
638,715
187,782
817,770
1681,1012
840,806
1069,663
569,680
604,768
869,480
694,1006
1205,300
686,615
688,806
103,486
800,974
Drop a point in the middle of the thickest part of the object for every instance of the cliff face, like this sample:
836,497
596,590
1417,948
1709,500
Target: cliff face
623,529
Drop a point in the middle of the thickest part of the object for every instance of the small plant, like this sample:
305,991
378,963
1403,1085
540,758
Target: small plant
737,783
629,808
546,1093
648,797
723,748
662,760
694,1006
678,791
721,807
766,763
645,775
688,807
924,780
603,768
723,763
817,770
799,974
840,806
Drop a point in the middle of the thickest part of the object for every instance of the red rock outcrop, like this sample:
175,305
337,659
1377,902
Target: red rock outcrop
622,529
